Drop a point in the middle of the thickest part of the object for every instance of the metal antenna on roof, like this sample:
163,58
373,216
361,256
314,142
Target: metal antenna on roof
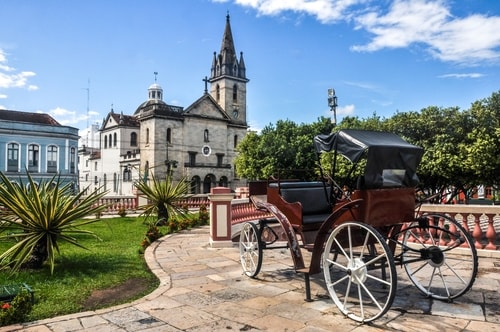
88,111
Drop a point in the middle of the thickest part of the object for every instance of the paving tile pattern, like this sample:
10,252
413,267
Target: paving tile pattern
203,289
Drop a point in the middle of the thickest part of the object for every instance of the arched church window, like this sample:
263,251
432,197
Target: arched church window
133,139
217,92
147,135
205,135
169,135
235,93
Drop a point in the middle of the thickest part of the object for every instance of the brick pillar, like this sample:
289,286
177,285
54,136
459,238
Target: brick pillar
220,216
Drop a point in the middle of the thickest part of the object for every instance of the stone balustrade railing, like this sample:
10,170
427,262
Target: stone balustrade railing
482,221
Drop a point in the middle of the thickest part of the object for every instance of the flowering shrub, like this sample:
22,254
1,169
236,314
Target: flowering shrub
152,234
204,216
175,223
122,212
17,310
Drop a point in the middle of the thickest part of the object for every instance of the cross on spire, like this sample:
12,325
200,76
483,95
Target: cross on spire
156,74
206,81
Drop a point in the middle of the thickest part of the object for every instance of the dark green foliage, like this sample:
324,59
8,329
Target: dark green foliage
163,197
17,310
462,147
41,216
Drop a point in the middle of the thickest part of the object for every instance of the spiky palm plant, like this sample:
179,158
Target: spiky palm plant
39,217
163,197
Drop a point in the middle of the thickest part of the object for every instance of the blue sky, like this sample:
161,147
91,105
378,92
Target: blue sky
380,56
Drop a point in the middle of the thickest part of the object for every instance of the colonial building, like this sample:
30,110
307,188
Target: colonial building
197,142
38,144
109,165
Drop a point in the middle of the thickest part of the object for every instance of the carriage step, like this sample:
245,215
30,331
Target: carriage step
308,246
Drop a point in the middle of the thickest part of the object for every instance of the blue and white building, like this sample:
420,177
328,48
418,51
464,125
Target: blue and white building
38,144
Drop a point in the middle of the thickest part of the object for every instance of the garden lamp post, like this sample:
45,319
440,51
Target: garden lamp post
170,164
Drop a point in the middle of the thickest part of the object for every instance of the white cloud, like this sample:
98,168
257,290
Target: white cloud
467,40
346,110
364,85
2,96
9,78
463,75
404,23
5,67
341,112
67,117
326,11
254,126
15,80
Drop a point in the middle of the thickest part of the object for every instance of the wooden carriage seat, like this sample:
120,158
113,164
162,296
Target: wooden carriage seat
305,204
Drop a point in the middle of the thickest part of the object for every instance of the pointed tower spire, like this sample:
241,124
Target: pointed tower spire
227,47
228,78
226,63
241,67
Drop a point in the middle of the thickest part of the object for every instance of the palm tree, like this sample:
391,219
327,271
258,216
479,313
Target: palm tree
39,216
163,197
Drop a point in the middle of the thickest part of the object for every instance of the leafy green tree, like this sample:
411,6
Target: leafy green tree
344,172
482,153
441,132
374,122
250,161
39,217
461,148
163,197
279,149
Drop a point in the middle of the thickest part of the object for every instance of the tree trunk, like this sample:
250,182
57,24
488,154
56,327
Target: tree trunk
38,256
162,215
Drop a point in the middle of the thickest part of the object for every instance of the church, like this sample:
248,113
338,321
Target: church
197,142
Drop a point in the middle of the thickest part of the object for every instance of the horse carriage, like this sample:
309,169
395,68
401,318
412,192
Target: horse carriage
358,231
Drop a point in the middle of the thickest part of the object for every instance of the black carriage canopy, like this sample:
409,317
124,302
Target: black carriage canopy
391,161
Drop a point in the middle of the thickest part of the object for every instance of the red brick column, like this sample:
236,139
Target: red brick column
220,216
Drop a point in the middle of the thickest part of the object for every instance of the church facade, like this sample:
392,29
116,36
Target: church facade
197,142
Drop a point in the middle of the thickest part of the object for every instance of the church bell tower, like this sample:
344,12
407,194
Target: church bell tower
228,79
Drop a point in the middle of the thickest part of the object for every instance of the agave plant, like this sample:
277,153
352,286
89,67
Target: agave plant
163,197
39,217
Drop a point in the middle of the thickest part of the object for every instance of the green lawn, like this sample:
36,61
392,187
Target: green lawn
113,258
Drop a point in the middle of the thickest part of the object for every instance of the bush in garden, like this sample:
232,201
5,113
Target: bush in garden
40,216
17,310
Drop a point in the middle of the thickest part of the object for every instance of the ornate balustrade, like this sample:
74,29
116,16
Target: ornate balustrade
114,204
243,210
482,221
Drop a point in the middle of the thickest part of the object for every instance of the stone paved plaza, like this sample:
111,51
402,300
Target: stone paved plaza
203,289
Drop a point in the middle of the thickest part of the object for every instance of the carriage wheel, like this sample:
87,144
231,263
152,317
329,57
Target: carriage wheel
359,271
439,256
250,249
